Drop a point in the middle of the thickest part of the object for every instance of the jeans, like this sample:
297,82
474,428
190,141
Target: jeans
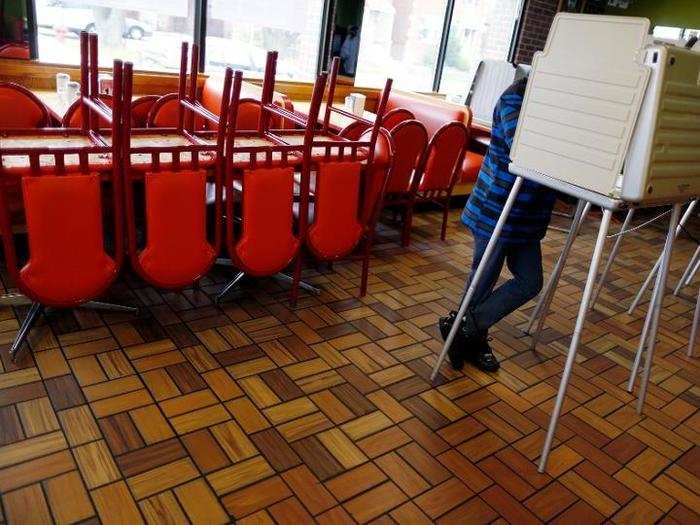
488,306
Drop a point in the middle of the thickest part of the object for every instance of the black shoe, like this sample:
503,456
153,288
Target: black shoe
459,343
482,356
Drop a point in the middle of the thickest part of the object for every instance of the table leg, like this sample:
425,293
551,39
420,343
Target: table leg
611,257
651,275
477,274
576,338
656,306
553,278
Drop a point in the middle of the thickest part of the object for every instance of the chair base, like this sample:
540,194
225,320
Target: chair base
17,299
279,276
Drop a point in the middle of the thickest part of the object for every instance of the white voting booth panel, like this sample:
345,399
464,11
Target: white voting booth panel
492,78
607,113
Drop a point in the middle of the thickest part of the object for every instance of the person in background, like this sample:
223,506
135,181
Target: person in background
349,51
518,246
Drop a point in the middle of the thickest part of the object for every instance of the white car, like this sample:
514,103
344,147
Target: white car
55,15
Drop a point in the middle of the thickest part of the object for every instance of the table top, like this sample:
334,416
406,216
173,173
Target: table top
337,121
55,104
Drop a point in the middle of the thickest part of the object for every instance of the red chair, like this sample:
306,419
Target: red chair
438,175
20,108
410,142
178,249
396,116
68,263
165,111
262,237
73,117
140,108
15,50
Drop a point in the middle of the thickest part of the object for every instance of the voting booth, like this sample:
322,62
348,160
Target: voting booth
609,111
612,118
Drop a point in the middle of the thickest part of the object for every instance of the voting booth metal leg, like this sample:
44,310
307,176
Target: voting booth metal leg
642,342
694,329
546,299
576,338
556,271
689,272
477,274
656,306
611,258
655,269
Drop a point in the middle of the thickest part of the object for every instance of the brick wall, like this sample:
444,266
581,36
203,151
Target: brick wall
537,19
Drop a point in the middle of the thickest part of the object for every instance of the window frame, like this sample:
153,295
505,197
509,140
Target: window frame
199,35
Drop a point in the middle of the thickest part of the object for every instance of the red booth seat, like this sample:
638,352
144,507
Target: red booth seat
433,113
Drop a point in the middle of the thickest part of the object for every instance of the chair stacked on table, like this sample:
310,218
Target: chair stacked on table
279,196
64,174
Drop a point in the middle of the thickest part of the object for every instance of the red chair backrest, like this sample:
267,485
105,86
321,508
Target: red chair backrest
267,243
164,113
20,108
140,109
353,131
444,156
410,141
73,118
336,227
396,116
15,50
376,177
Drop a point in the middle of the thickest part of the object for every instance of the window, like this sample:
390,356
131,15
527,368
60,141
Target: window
480,29
240,32
401,40
674,34
146,32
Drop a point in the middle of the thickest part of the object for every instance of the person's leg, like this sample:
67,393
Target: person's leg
462,344
525,264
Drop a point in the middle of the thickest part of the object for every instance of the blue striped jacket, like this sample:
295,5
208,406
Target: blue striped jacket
529,217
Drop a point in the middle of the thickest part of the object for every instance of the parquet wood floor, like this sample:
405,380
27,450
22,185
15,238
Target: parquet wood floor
258,412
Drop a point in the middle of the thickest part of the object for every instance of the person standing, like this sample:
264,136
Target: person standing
518,246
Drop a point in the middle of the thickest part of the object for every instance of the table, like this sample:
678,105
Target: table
337,121
57,108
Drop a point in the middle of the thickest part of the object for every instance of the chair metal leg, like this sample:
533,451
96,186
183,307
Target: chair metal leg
477,274
656,306
694,329
540,311
652,273
14,299
611,258
229,286
110,307
302,284
576,338
24,328
689,272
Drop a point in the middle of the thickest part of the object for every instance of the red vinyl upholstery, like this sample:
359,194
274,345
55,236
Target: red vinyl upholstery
376,176
177,252
336,228
20,108
267,243
67,264
410,140
396,116
73,118
15,50
433,114
444,151
140,109
164,113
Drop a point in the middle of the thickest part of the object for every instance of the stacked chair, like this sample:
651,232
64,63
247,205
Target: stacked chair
273,196
63,174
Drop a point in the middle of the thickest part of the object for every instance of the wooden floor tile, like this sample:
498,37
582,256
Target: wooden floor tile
257,411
